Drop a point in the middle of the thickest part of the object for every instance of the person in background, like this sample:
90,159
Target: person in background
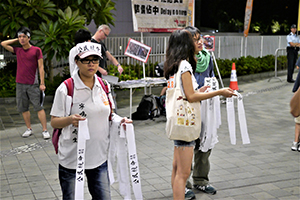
204,68
180,57
296,142
90,102
293,44
101,34
82,35
28,89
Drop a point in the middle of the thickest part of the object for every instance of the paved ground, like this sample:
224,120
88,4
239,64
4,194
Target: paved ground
264,169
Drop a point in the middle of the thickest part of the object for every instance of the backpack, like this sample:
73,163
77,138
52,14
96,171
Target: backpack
159,69
147,109
70,88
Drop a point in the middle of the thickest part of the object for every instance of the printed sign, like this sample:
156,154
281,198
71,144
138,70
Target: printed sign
138,50
161,15
209,43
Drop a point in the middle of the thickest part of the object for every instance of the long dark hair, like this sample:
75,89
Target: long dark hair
180,47
193,30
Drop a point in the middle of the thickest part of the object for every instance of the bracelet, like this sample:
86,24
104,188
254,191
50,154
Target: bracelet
42,84
118,64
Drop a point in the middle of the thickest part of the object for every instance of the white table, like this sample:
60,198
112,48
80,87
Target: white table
148,82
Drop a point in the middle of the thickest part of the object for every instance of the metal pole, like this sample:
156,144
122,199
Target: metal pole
261,45
219,49
242,45
145,88
214,58
246,40
276,52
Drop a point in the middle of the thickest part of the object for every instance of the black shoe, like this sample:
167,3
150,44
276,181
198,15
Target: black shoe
291,81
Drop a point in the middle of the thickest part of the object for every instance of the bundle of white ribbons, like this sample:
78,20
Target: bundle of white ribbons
241,117
120,141
122,147
211,118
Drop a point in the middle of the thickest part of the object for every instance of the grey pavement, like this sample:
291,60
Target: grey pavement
264,169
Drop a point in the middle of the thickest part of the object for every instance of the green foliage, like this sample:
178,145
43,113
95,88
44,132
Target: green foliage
53,22
8,80
54,37
11,18
250,65
36,10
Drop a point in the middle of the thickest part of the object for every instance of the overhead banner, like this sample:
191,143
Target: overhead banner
160,15
248,14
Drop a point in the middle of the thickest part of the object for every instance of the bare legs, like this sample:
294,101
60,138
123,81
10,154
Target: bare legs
182,162
41,116
26,117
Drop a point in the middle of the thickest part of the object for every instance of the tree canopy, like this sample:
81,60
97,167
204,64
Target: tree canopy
53,22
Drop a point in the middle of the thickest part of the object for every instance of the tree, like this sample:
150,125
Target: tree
53,22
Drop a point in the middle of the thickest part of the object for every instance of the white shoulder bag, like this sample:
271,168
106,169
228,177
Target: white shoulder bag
183,117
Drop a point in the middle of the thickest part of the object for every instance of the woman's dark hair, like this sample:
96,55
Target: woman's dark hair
181,46
193,30
82,35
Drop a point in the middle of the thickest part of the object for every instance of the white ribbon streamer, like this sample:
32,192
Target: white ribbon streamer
242,120
231,119
83,135
133,161
241,117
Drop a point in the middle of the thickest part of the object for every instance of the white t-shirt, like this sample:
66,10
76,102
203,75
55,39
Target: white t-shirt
73,66
92,104
184,66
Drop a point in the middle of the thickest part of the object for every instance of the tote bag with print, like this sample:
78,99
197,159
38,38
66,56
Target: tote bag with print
183,117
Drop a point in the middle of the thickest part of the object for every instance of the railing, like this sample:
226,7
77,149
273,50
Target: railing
275,70
226,47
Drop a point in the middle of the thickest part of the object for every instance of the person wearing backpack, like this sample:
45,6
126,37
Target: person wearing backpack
91,102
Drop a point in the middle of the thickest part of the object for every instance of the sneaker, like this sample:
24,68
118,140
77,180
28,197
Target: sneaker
46,135
189,194
295,146
206,189
27,133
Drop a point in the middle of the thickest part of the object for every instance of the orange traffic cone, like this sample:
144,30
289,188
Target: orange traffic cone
233,79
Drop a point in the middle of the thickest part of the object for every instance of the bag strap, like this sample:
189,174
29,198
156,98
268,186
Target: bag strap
70,87
105,88
177,80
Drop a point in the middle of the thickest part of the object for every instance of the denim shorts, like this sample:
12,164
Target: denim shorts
180,143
